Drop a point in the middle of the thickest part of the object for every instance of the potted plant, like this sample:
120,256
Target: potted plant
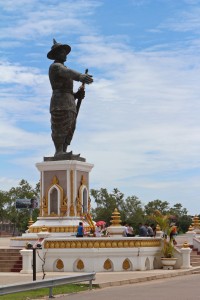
167,250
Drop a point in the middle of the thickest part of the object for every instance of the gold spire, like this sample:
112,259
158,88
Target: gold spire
116,221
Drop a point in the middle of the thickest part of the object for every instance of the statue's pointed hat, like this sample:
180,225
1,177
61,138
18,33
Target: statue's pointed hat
56,46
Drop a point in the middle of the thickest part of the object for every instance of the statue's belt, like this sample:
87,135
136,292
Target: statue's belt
62,91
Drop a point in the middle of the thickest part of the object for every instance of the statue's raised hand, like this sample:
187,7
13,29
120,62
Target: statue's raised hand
86,78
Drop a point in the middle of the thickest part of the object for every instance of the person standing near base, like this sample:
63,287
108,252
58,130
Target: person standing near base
80,231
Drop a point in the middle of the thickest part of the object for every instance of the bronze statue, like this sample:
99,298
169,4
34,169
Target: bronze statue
63,107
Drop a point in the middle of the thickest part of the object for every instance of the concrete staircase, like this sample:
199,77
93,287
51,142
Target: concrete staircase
10,260
195,260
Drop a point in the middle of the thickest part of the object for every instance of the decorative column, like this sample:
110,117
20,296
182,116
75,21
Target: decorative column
186,250
27,256
159,232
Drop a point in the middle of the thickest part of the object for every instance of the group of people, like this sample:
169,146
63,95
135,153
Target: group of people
147,230
99,231
144,230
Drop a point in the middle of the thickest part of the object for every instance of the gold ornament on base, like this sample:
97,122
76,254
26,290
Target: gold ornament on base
116,221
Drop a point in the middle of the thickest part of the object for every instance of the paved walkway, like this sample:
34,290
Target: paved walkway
103,279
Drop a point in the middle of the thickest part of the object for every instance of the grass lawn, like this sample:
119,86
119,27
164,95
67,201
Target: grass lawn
35,294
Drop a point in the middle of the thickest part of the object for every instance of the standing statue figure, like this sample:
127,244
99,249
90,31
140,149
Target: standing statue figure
63,107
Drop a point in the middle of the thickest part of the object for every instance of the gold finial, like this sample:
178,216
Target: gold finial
116,221
158,228
190,228
186,245
196,222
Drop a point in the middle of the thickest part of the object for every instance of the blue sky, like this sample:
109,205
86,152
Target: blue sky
139,123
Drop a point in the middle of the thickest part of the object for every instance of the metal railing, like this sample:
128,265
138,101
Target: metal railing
47,283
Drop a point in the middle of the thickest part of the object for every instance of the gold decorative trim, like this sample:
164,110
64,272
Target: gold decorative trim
71,212
126,264
89,205
59,264
107,264
79,206
80,265
40,213
85,243
45,201
56,229
23,239
44,207
55,180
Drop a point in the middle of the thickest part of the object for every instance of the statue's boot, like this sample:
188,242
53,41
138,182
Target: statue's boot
58,143
59,150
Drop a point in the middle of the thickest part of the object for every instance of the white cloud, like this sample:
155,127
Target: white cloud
40,19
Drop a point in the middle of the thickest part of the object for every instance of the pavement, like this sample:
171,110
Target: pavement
103,279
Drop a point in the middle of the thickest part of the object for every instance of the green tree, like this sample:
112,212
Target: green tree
178,211
20,217
106,203
183,223
132,211
152,206
180,215
4,202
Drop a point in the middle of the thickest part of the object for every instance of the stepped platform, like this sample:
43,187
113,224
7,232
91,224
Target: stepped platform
10,260
195,258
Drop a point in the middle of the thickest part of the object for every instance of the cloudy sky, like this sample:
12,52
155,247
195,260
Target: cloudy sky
139,123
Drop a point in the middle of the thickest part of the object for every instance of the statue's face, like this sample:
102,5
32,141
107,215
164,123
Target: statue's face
61,55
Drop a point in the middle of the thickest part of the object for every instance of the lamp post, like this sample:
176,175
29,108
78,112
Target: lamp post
34,264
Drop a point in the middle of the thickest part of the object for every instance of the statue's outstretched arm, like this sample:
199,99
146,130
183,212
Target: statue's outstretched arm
86,78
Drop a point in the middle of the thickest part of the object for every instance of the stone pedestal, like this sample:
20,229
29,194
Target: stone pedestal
186,258
64,200
116,231
64,196
27,261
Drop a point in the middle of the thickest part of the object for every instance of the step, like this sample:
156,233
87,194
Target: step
8,270
195,259
10,260
196,272
195,264
9,256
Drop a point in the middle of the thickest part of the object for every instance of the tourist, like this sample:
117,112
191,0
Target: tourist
80,231
129,230
98,231
142,230
173,233
150,231
125,232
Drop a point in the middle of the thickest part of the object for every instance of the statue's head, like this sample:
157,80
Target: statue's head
55,49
